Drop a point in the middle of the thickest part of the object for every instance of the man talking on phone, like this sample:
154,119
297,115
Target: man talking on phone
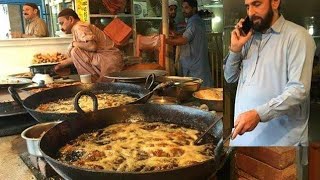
272,64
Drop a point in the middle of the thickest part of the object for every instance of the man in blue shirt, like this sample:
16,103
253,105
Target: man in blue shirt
273,65
194,45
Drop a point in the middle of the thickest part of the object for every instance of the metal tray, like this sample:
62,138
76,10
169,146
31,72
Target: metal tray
134,76
11,109
7,81
43,64
8,107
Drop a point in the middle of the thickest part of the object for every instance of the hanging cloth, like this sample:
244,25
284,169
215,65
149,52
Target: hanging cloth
118,31
115,6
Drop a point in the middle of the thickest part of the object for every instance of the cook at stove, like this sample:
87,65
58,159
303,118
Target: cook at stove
90,51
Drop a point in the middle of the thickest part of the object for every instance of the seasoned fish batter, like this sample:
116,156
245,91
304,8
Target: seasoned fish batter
136,147
105,100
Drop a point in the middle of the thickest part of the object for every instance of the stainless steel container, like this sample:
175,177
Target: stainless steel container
183,89
204,98
33,134
44,68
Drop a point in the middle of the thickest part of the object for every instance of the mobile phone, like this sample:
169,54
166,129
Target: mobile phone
246,25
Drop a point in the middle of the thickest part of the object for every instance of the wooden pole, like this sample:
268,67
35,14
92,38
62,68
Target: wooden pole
165,31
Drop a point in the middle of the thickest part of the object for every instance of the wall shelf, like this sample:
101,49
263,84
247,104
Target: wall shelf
101,17
111,16
149,18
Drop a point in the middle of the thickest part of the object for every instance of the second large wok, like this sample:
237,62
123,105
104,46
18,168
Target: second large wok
33,101
68,130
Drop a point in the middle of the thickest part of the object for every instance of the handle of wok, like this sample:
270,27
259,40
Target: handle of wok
159,86
219,150
198,140
164,85
150,81
146,97
220,155
84,93
15,95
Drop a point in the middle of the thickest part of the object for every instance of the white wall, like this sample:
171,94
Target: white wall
4,19
16,54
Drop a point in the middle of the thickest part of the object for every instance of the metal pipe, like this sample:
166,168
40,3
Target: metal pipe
165,31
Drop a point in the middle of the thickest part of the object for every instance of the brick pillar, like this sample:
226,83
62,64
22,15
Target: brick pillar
314,160
267,163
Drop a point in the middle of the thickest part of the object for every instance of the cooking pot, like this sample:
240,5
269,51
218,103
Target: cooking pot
205,97
183,89
188,117
33,134
46,96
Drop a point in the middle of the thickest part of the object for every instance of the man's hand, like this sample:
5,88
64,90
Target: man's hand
58,67
177,41
246,122
173,34
16,34
237,40
62,68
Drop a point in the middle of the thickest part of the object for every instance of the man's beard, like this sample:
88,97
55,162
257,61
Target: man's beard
187,15
265,23
172,16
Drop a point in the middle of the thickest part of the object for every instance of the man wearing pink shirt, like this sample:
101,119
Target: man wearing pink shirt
91,51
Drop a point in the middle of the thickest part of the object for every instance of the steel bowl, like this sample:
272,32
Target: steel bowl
205,97
183,89
44,68
33,134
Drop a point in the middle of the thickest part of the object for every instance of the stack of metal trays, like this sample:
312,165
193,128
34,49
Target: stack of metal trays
138,76
8,107
13,117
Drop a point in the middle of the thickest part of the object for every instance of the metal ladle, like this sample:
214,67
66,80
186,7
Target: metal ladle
217,118
181,83
159,86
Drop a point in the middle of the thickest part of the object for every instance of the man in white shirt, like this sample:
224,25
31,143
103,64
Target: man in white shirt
273,65
35,26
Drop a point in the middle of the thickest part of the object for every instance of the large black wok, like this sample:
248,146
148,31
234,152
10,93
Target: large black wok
62,133
33,101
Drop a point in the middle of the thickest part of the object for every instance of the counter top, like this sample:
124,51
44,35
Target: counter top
34,41
16,54
11,165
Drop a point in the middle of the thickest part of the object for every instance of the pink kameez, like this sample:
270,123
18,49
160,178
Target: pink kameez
105,60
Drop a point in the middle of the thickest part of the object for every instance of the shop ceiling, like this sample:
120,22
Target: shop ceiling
20,1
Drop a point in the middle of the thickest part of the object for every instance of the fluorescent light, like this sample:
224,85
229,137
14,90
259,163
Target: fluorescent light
216,19
311,30
218,5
